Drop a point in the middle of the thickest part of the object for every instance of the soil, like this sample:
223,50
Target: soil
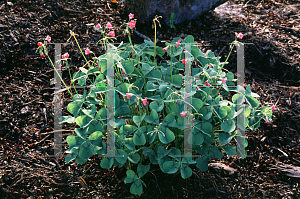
26,101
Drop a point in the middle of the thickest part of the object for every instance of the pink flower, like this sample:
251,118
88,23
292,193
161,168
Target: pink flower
131,16
123,72
40,44
165,49
182,113
206,83
178,43
183,61
193,122
65,56
112,33
145,101
48,38
132,24
128,95
98,26
224,80
273,108
239,35
87,51
109,26
267,121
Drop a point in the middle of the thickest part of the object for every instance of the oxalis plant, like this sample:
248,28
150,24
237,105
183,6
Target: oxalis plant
151,109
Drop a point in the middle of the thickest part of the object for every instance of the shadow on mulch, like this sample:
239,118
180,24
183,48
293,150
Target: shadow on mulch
26,119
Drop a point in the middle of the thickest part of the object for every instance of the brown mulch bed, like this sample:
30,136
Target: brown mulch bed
26,101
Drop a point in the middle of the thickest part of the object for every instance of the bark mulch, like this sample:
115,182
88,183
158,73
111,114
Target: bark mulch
26,101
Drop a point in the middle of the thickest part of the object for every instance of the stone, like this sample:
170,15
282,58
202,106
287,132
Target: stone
145,10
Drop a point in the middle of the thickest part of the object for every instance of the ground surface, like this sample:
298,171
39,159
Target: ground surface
26,113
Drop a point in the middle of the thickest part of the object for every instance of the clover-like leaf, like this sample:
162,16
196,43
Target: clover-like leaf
225,138
123,156
153,118
131,176
206,111
202,163
171,166
134,158
228,126
107,162
142,169
252,101
138,119
230,150
185,171
86,150
157,105
139,138
165,135
83,120
74,107
169,121
215,153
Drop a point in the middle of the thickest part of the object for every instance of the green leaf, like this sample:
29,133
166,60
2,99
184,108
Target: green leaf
169,121
93,126
195,137
134,158
136,187
107,162
204,127
154,75
123,159
215,153
82,133
171,166
139,138
69,119
225,138
96,138
80,160
197,103
153,118
83,120
70,157
142,170
189,39
228,126
253,102
151,86
202,163
221,112
238,99
254,123
138,119
230,150
207,112
86,150
157,105
128,67
166,135
74,140
146,68
161,152
74,107
247,111
230,76
185,171
131,177
159,51
177,80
